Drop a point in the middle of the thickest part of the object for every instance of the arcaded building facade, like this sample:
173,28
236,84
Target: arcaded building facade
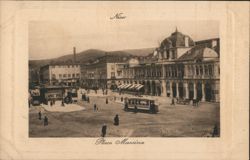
179,68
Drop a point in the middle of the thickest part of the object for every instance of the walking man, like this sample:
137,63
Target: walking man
45,121
126,106
107,101
95,108
88,100
39,115
62,103
215,131
172,101
135,109
104,129
116,120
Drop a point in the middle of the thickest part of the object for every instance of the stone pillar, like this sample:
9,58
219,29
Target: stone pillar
163,71
203,92
186,70
216,71
203,71
171,89
151,88
145,88
177,90
163,89
186,90
195,91
217,91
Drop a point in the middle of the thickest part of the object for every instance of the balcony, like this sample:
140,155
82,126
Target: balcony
200,77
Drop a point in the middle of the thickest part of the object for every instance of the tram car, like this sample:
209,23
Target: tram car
141,105
35,97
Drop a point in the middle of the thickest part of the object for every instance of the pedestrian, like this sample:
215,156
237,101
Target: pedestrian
46,101
135,109
172,101
107,101
121,99
104,130
152,110
95,107
215,131
126,106
45,121
116,120
39,115
51,103
62,103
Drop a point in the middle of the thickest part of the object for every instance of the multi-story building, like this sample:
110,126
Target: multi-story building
33,77
179,68
105,72
60,73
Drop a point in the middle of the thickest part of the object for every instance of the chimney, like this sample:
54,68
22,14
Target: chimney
74,52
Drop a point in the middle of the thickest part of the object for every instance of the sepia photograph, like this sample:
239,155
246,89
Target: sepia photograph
152,79
160,80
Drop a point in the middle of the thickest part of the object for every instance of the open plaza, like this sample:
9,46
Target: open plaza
179,81
171,120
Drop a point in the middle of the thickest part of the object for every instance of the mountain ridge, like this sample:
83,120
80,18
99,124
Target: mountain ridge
90,55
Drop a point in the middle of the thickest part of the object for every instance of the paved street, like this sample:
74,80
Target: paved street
171,121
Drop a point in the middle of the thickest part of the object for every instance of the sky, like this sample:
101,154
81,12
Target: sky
51,39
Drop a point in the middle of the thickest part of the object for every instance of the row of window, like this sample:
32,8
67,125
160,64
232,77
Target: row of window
174,73
77,75
200,70
66,66
167,55
149,74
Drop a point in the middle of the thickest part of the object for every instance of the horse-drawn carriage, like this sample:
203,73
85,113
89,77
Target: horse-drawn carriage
183,101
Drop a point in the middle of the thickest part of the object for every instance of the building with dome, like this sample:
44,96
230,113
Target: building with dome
180,68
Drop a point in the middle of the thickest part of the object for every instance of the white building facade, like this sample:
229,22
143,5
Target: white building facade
178,68
54,74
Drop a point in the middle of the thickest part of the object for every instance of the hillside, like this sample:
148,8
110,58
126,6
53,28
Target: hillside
140,52
89,56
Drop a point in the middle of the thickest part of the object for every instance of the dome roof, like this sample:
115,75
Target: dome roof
133,62
199,52
177,39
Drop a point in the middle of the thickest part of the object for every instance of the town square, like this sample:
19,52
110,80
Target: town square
172,90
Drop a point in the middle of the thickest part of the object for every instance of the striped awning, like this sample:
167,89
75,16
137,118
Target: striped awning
139,87
132,87
127,86
120,86
124,86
